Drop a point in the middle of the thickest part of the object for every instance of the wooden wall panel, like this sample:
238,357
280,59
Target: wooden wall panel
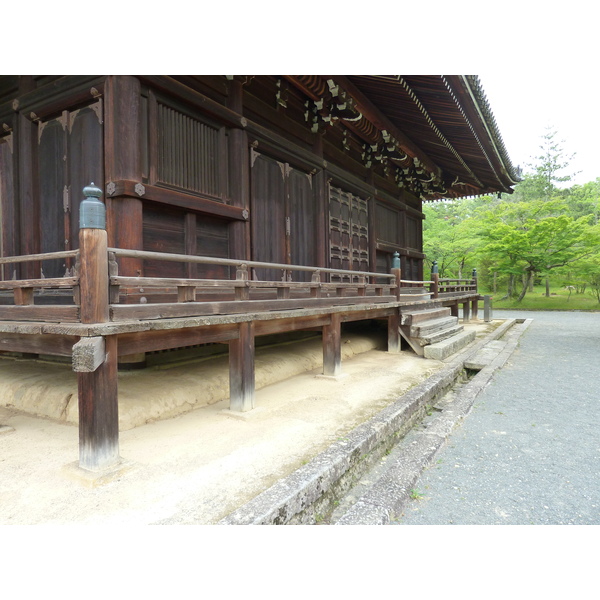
190,153
163,231
212,239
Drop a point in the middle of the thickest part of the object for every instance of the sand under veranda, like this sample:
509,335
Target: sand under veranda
200,465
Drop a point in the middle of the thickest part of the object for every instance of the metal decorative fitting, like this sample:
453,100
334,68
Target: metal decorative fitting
245,214
111,188
92,212
140,190
396,260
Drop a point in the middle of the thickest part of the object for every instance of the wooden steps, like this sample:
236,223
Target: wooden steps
423,328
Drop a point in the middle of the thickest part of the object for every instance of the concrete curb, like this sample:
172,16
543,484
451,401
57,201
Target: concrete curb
300,497
388,497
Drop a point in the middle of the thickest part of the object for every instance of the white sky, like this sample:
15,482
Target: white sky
525,103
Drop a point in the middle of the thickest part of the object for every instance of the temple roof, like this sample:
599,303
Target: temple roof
444,123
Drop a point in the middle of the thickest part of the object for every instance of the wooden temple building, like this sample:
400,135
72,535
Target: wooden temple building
222,208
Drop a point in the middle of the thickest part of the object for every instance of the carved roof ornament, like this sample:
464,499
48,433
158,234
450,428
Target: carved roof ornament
281,96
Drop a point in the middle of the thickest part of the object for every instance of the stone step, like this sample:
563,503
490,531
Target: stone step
434,338
449,346
425,328
416,316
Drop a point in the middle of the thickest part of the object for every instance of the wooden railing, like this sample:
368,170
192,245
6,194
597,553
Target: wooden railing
139,298
23,292
197,297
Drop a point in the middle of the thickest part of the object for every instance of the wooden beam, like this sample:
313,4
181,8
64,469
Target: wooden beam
241,369
98,413
88,354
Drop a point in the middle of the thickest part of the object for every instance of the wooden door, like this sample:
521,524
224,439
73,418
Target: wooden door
283,214
348,232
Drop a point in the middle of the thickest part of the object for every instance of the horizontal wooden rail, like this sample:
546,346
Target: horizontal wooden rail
144,254
50,282
35,257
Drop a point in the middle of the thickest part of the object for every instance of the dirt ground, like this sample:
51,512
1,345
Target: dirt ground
197,467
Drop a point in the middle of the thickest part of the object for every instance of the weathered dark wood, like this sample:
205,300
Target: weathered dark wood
241,369
123,162
63,282
150,341
93,275
98,413
332,347
36,343
23,296
48,314
474,307
157,311
466,311
397,273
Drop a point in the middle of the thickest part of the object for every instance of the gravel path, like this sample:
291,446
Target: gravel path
529,452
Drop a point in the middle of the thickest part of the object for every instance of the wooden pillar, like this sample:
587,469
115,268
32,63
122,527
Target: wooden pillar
474,308
97,389
466,311
122,140
241,369
394,337
454,309
332,346
98,413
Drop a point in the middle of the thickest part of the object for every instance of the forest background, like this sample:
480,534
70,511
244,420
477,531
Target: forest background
538,248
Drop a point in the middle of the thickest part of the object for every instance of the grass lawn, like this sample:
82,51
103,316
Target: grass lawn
559,300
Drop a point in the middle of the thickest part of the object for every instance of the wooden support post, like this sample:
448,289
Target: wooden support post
394,337
332,347
474,308
241,369
454,309
98,413
466,312
97,389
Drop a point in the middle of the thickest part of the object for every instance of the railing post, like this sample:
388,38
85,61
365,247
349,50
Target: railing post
241,274
97,390
93,258
397,273
435,277
474,276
